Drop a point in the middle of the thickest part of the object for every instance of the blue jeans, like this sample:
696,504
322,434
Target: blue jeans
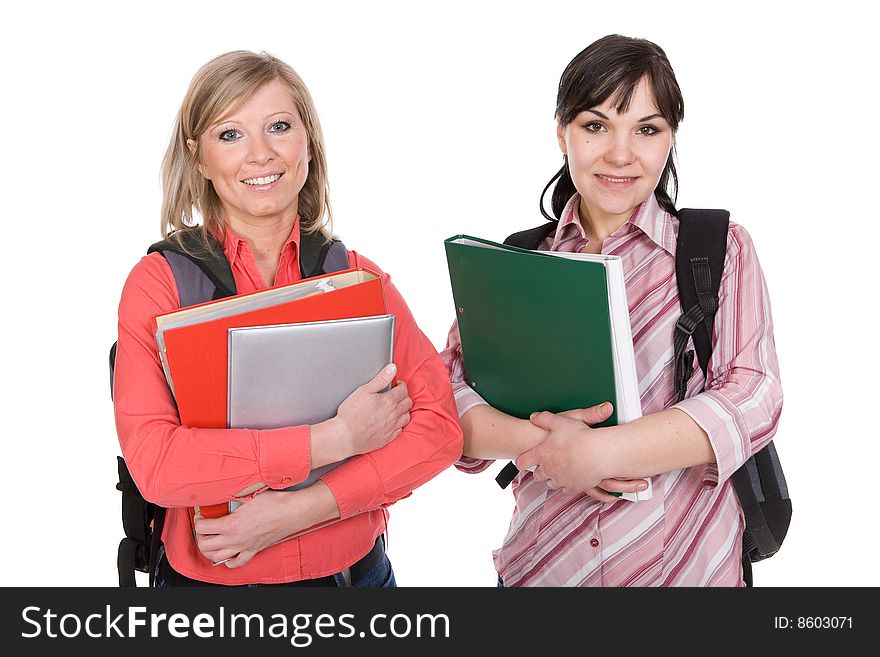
381,575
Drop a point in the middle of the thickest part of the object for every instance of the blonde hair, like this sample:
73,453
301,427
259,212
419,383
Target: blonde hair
221,86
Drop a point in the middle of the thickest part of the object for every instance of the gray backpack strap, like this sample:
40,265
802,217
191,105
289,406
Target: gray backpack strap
201,274
318,257
336,258
193,286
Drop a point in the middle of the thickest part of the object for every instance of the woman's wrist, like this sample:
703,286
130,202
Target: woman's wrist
525,437
330,441
491,434
310,506
606,449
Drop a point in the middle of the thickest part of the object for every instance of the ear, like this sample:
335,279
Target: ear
193,147
560,137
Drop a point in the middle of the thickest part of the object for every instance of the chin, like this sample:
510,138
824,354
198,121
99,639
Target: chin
265,211
621,205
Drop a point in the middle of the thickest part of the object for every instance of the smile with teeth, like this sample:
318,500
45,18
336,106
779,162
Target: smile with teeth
616,180
266,180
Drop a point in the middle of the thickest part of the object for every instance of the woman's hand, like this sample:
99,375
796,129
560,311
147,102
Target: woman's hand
262,521
372,417
567,459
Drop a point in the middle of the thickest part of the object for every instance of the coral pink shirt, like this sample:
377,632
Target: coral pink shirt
178,467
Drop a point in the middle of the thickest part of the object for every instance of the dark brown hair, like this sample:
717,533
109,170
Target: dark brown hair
613,66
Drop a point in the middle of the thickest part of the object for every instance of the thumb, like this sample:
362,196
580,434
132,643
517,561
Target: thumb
382,380
544,419
592,415
527,460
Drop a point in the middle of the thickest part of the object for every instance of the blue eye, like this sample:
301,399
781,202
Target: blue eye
279,126
230,135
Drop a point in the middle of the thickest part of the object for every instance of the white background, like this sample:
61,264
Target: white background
438,120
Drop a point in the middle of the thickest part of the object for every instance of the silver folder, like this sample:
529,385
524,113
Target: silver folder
295,374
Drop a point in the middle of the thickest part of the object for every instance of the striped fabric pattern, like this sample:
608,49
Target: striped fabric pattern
689,533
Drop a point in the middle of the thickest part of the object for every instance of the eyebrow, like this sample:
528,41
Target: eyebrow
269,116
234,120
656,115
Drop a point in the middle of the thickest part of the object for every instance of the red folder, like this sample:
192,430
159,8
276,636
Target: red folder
197,354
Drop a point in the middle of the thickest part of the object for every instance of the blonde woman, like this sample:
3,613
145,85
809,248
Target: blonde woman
247,155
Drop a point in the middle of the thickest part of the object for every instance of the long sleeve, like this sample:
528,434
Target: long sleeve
431,441
465,396
174,465
740,408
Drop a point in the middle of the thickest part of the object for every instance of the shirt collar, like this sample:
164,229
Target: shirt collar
569,223
648,217
656,223
233,243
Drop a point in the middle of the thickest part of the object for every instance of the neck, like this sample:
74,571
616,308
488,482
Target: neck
265,237
598,226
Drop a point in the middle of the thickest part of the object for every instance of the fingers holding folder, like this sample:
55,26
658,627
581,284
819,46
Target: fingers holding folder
374,414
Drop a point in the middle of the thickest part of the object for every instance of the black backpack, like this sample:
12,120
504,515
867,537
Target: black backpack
198,279
759,483
699,262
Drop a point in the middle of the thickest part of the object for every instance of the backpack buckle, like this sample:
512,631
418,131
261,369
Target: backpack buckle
686,324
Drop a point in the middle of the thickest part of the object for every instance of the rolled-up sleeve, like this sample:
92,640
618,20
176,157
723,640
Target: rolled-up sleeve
175,465
429,444
742,403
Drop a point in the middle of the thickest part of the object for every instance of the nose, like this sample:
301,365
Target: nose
261,150
620,150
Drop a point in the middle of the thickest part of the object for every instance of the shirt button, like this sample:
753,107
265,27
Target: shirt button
594,542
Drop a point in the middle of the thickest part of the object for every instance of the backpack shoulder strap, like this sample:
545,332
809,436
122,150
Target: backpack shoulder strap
316,256
201,274
699,263
531,238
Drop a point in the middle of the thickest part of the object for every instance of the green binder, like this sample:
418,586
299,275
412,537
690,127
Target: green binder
543,330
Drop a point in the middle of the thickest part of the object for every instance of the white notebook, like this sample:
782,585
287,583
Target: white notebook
295,374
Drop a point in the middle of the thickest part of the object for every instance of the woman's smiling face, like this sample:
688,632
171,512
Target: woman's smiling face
616,158
257,158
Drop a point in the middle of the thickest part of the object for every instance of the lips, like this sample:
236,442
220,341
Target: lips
617,179
262,180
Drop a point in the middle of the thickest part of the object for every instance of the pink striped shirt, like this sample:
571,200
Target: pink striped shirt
689,533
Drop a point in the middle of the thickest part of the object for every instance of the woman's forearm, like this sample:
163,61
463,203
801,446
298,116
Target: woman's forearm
491,434
656,443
